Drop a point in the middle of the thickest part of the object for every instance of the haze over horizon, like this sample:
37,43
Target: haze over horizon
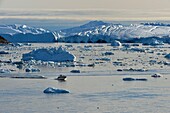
86,10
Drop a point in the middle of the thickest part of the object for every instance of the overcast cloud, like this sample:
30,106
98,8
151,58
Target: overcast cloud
86,4
86,9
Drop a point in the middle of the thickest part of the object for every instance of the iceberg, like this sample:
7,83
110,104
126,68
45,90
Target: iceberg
91,32
23,33
51,90
99,32
167,56
152,41
49,54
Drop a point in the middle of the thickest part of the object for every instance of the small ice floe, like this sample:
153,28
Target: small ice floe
138,70
135,44
167,56
116,43
156,75
32,70
128,79
107,53
141,79
91,65
75,71
119,69
51,90
104,59
17,44
166,63
5,71
126,45
134,79
61,78
116,63
30,77
4,52
152,42
137,50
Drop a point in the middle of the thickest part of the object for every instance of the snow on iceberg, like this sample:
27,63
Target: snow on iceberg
23,33
49,54
54,90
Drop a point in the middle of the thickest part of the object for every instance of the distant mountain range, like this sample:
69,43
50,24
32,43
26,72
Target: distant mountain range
92,32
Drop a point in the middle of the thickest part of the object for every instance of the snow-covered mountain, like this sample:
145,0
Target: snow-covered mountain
98,31
23,33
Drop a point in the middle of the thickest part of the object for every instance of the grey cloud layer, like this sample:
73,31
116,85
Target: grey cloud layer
87,14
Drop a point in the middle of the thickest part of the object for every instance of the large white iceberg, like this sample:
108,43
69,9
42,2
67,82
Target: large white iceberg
49,54
23,33
98,31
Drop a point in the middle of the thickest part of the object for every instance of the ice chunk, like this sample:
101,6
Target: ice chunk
54,90
75,71
156,75
167,56
152,42
49,54
128,79
116,43
134,79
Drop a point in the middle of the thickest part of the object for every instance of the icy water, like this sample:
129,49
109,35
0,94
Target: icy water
98,89
89,94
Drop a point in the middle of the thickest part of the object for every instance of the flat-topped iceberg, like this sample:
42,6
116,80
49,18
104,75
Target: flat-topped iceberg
49,54
50,90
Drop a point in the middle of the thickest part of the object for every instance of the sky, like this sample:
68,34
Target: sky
85,4
86,9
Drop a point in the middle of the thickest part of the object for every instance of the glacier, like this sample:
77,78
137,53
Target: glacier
91,32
